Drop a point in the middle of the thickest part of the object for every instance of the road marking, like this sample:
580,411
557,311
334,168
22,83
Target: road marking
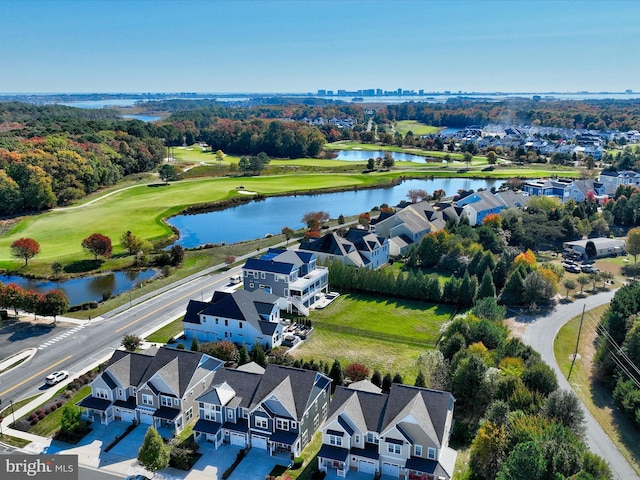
50,367
164,307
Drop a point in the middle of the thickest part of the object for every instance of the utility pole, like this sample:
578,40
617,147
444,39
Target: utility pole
575,353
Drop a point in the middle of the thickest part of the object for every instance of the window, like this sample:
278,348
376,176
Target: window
121,393
431,453
166,401
176,401
282,424
226,322
335,440
357,439
316,421
217,321
208,415
262,275
294,425
393,448
262,422
417,450
188,414
147,399
100,393
240,324
230,413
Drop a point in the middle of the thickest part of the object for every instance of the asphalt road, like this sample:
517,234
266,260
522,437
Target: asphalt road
540,335
96,340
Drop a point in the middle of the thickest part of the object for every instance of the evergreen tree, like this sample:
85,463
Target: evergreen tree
195,345
386,383
475,263
451,290
376,378
513,291
258,355
420,380
397,378
153,454
243,355
468,290
487,289
336,374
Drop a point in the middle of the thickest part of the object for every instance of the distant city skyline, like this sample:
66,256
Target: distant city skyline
303,46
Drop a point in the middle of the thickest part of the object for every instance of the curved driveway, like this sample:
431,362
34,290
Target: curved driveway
540,335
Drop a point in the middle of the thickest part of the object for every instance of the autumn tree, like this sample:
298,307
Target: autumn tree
26,248
12,296
356,371
364,219
220,156
223,349
315,220
54,303
417,195
98,244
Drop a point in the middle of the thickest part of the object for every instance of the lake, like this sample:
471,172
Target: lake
85,289
364,155
144,118
258,219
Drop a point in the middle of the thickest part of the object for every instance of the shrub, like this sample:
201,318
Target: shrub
297,462
53,408
34,421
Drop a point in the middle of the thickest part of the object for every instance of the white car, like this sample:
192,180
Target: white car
56,377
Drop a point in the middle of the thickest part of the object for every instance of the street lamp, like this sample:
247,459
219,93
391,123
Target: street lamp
13,413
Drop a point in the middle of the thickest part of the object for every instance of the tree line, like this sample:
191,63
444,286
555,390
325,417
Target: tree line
621,115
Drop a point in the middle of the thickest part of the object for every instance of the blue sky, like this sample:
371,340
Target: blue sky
305,45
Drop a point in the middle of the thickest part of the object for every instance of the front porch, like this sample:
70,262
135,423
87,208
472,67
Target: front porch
96,410
333,459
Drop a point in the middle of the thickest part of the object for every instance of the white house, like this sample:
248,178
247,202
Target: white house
241,317
612,180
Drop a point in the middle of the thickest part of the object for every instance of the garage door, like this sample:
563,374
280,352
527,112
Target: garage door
127,416
238,439
366,467
259,442
146,418
390,469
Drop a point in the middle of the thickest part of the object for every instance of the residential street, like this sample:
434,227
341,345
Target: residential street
540,335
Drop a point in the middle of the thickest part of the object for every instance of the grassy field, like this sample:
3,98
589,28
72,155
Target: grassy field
417,128
419,320
593,395
406,318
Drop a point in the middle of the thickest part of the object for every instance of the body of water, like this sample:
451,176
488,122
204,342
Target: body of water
257,219
364,155
144,118
85,289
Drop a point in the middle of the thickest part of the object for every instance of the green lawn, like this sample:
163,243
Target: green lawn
51,423
414,319
596,398
166,333
417,128
15,441
417,320
310,464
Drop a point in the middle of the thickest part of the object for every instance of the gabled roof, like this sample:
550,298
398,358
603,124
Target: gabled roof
243,384
428,407
363,409
178,368
253,307
514,199
295,388
364,240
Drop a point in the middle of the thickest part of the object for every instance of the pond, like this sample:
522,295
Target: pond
144,118
364,155
85,289
258,219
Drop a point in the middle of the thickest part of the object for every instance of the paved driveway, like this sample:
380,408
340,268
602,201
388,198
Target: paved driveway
128,447
212,463
256,465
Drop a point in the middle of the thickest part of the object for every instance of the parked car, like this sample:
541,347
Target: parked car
56,377
571,268
137,477
235,279
589,269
